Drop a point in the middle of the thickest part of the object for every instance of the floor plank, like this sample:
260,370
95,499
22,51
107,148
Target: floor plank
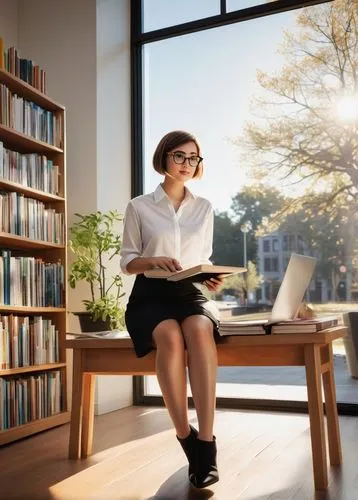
262,456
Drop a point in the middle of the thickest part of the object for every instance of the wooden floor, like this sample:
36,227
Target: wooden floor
262,456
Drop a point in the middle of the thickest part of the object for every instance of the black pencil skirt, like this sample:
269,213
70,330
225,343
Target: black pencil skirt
155,300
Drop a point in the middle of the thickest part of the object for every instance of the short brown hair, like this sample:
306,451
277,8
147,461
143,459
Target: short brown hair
169,142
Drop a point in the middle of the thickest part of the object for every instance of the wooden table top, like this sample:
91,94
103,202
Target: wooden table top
323,337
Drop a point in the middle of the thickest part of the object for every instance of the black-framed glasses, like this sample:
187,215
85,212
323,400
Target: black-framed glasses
180,158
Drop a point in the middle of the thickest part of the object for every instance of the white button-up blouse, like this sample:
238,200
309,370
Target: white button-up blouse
152,228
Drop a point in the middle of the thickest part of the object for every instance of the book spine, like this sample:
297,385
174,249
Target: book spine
2,54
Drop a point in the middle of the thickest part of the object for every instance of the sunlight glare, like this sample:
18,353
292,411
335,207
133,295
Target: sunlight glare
347,108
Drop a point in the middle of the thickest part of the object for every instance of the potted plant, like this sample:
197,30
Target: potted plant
96,244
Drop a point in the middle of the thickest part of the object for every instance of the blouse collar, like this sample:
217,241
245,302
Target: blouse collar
159,194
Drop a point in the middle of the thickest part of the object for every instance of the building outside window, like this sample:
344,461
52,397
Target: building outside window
274,264
267,246
267,265
285,243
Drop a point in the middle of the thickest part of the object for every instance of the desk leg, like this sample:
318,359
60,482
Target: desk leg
89,384
334,440
315,408
77,405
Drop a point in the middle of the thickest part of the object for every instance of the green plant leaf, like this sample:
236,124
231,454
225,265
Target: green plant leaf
95,240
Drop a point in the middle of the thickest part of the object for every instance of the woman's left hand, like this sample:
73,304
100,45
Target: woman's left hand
213,284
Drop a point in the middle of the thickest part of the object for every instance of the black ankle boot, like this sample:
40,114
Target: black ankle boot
189,446
206,470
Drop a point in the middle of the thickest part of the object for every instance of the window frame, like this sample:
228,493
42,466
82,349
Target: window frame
138,39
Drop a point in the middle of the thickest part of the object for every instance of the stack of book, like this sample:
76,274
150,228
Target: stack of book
312,325
249,327
264,327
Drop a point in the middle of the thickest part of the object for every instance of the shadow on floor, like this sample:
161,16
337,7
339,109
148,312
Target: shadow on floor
177,487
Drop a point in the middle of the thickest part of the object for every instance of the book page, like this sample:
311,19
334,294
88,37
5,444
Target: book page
210,270
110,334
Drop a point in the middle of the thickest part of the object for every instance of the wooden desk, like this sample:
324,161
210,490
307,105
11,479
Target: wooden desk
313,351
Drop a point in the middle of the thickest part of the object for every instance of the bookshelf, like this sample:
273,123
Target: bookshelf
35,382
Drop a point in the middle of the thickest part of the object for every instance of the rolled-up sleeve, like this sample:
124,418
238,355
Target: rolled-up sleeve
208,237
131,242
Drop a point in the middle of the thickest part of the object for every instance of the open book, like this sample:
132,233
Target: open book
108,334
195,274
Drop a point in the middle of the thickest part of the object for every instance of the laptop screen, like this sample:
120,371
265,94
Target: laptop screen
293,287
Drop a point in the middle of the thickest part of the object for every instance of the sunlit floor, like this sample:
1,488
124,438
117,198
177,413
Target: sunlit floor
261,456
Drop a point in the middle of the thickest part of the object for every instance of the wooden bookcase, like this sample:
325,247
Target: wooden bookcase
49,252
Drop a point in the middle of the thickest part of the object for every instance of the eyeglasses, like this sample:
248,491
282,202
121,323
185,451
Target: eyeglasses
180,158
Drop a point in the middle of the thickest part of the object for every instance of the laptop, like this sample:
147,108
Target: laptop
295,282
289,298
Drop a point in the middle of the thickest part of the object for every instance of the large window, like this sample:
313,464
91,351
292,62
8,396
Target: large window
243,4
161,13
269,122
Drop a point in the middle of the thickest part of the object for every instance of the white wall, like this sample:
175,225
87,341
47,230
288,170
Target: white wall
8,22
113,100
113,147
83,46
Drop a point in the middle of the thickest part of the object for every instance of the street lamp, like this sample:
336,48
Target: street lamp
245,228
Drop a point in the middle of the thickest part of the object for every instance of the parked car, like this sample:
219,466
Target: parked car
229,298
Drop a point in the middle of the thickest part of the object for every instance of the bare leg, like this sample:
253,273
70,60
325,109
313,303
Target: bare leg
202,363
171,373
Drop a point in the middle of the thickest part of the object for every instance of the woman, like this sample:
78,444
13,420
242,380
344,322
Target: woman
172,229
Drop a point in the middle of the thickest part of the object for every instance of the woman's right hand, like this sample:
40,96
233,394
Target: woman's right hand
165,263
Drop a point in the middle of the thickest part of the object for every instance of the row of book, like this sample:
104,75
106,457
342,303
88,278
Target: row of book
30,170
25,69
27,341
29,118
264,327
30,282
27,398
30,218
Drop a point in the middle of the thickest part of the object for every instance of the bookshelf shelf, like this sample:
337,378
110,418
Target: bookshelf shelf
32,193
21,431
23,143
31,310
33,368
27,91
45,274
9,240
